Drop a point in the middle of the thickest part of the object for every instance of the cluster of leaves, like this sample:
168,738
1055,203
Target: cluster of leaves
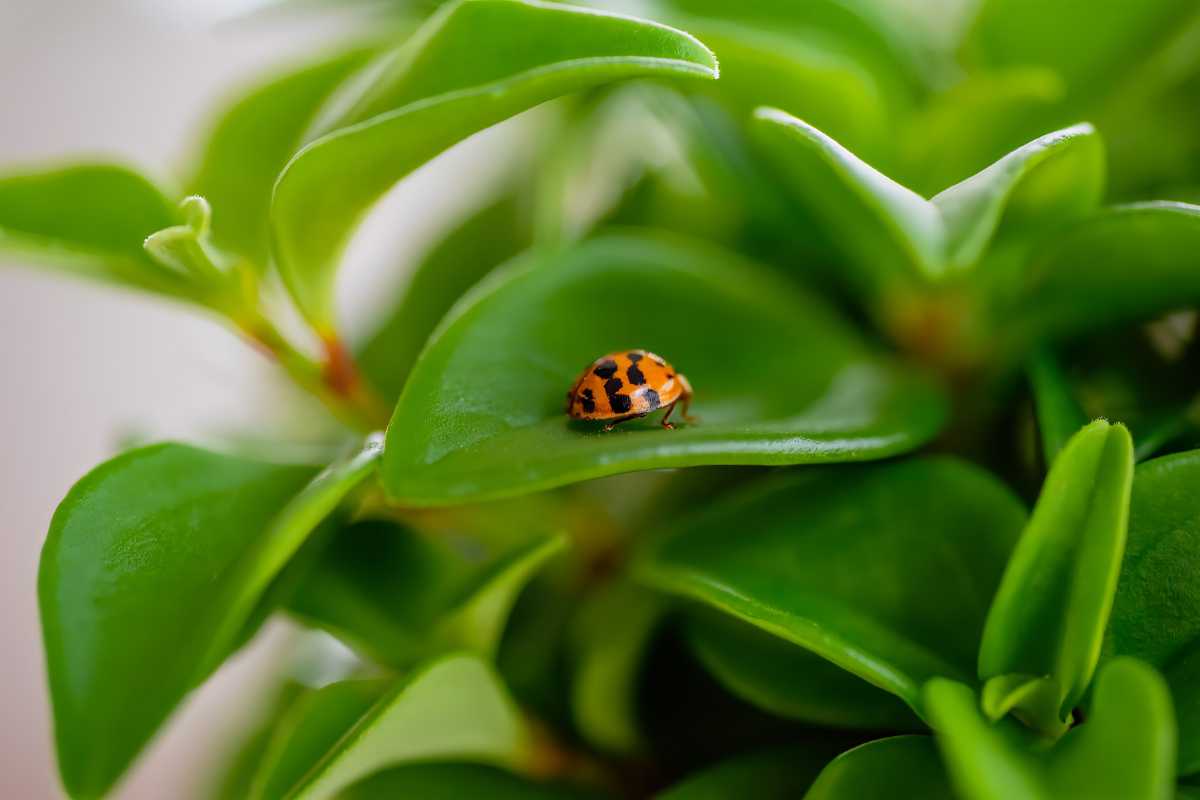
906,628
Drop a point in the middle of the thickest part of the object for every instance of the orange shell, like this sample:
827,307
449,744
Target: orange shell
625,383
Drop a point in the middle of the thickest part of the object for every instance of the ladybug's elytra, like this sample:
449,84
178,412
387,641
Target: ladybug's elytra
627,385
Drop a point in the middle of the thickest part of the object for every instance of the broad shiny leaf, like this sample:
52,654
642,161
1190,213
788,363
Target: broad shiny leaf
483,413
482,241
1123,264
892,236
153,566
252,141
790,681
1050,612
309,729
1156,614
902,766
456,781
450,708
839,561
972,123
473,64
812,76
1126,749
607,661
399,596
782,773
90,219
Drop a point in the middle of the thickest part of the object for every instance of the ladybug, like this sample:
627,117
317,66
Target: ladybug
628,385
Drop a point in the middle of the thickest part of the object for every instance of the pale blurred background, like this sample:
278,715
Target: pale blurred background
86,366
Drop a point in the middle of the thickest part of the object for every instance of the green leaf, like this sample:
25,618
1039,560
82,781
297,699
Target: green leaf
789,681
311,727
483,240
1059,415
1125,263
778,774
475,63
1053,178
879,36
974,122
1156,614
159,557
840,561
809,75
451,708
1126,749
902,766
447,781
607,663
400,596
187,249
1049,614
1143,376
893,237
235,776
1106,39
889,233
483,414
252,141
90,219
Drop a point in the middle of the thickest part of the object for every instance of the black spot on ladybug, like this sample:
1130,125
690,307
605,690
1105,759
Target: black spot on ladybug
619,403
651,398
635,375
587,400
605,369
634,357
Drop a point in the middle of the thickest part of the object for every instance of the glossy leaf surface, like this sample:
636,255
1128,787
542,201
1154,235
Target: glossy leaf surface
311,727
483,414
481,242
1156,614
902,766
160,557
607,664
1126,748
97,576
892,236
1050,612
839,561
475,63
252,141
790,681
451,708
398,595
1125,263
455,781
90,219
777,774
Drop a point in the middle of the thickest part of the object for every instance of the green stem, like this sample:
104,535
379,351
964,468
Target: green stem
337,386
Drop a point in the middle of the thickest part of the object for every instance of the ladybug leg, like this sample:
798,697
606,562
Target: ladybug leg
667,416
685,398
619,420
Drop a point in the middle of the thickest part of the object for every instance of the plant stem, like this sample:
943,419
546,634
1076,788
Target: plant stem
336,382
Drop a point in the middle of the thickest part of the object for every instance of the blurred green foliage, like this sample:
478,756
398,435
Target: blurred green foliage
863,228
